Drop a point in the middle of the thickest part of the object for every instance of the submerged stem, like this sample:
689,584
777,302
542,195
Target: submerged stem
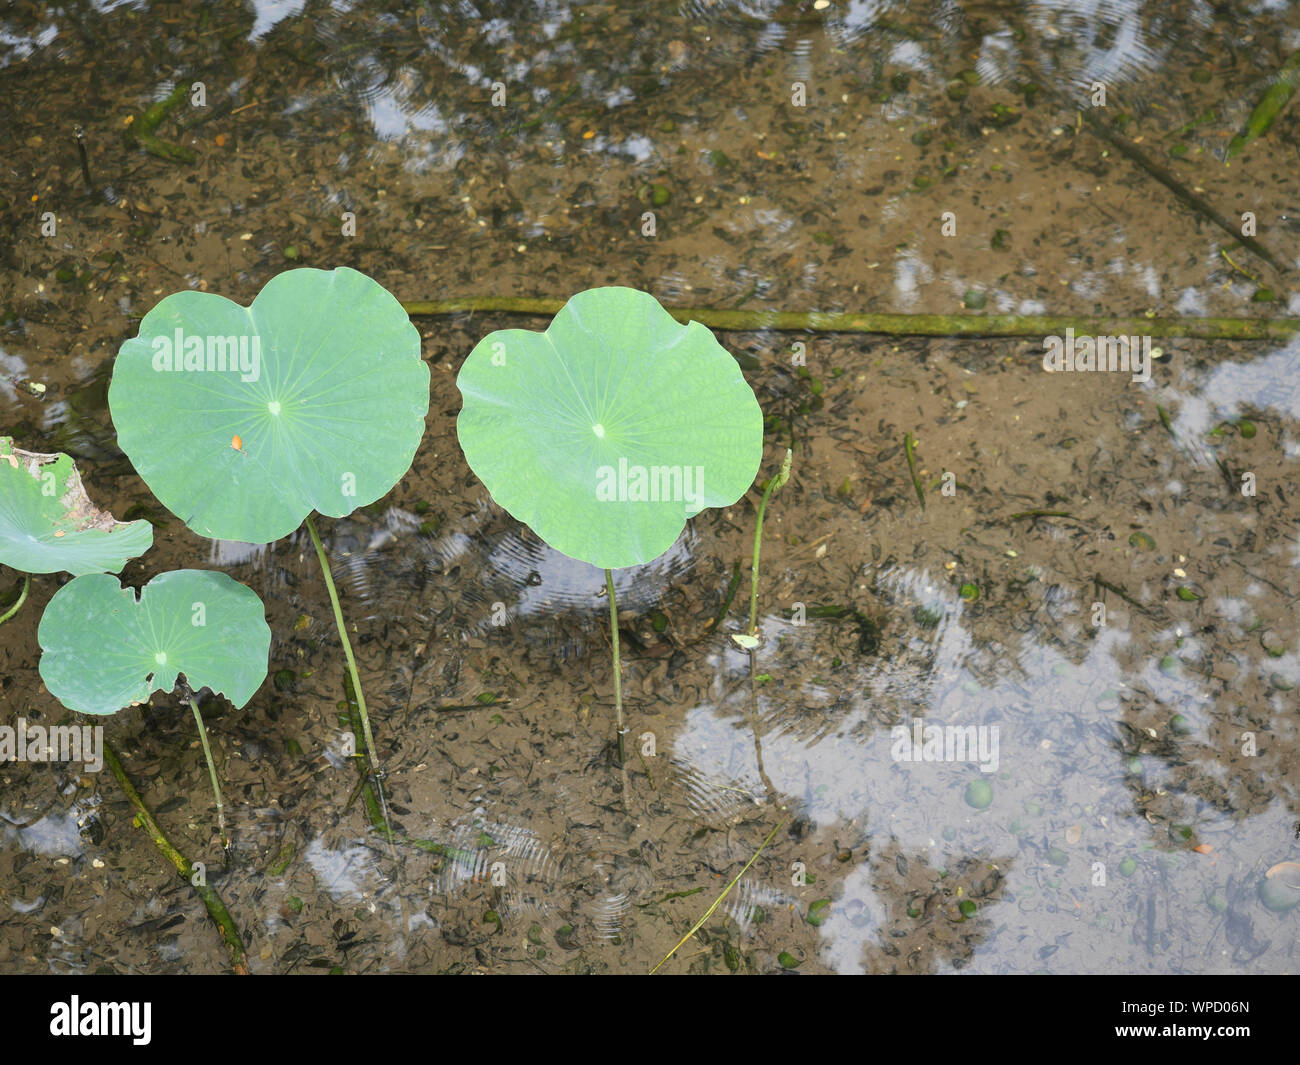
371,757
982,325
216,908
909,448
22,598
212,771
772,485
613,641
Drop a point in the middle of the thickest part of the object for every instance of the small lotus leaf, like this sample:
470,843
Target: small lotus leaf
104,649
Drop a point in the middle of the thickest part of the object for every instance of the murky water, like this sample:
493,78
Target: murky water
1146,771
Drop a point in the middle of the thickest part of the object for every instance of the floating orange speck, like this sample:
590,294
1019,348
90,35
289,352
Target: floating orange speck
59,533
589,135
1202,848
237,442
220,140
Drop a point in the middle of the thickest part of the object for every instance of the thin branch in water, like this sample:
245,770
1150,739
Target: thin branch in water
211,900
909,448
945,325
718,901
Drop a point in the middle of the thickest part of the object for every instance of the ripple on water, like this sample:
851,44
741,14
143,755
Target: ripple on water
508,857
623,882
721,780
486,571
752,901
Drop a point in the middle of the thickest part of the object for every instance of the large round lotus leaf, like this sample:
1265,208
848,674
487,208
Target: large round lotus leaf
609,430
104,649
48,523
320,384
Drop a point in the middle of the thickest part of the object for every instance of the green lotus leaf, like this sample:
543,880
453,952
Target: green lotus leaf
104,649
48,523
243,420
606,432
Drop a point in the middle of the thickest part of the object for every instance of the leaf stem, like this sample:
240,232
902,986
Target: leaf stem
772,485
352,670
613,642
212,771
22,598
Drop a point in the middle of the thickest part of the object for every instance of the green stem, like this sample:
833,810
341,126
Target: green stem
718,901
212,772
374,810
772,485
22,598
215,907
613,641
732,586
986,325
352,669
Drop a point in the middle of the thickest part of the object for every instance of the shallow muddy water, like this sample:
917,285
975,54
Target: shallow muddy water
1090,589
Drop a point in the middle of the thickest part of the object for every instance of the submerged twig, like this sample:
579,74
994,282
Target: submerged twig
1100,582
980,325
909,448
85,163
216,908
1037,514
1192,199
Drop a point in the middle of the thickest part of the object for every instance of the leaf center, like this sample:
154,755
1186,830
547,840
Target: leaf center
274,406
599,430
